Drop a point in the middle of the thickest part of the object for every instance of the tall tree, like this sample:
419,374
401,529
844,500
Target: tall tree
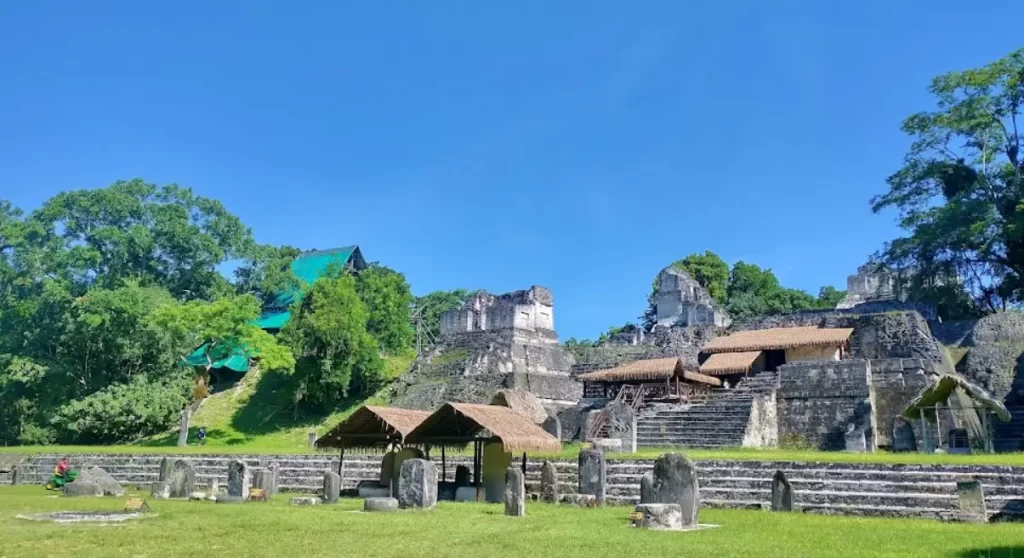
709,270
427,311
960,194
388,301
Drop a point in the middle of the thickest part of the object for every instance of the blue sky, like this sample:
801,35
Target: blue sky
576,145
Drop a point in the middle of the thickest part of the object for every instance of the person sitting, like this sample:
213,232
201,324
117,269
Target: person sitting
62,474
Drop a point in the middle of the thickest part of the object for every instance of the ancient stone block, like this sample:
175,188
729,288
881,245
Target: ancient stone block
305,501
903,438
332,487
660,517
263,478
401,457
552,425
592,474
239,479
380,505
228,499
549,482
165,468
461,476
469,494
681,300
387,469
181,479
16,475
782,493
160,490
515,492
101,478
275,478
374,492
647,488
82,488
607,444
856,441
417,484
675,482
579,500
972,501
621,426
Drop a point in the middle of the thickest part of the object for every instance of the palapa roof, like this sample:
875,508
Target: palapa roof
372,426
779,338
522,402
720,364
648,369
947,385
457,424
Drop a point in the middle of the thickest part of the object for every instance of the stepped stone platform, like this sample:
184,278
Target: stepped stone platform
922,491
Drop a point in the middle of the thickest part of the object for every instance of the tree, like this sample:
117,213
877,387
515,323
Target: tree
830,297
388,301
960,193
710,271
335,354
427,311
267,272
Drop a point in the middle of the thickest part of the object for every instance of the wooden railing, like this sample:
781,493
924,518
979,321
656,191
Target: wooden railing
630,395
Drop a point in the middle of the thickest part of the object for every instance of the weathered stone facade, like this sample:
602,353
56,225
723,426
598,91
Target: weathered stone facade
531,310
681,300
818,401
894,384
869,284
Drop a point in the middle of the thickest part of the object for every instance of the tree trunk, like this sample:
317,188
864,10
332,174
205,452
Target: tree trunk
186,414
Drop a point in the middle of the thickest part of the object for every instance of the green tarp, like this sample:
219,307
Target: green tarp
230,356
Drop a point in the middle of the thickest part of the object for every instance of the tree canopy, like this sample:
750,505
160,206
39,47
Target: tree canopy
959,194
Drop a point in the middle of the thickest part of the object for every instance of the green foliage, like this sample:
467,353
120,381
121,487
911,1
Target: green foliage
388,300
267,272
427,311
124,412
710,271
959,193
830,297
335,354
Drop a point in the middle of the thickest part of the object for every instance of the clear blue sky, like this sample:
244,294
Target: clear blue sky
576,145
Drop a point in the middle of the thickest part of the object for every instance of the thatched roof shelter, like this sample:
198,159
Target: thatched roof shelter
458,424
373,427
522,402
653,369
720,364
779,338
948,385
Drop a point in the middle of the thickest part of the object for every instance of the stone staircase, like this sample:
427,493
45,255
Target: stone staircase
720,422
926,491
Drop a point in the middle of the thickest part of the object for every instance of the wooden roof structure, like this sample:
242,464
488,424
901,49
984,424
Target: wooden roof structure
779,338
948,385
373,427
656,369
522,402
720,364
458,424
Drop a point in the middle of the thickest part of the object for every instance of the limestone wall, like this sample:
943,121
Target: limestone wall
894,384
817,400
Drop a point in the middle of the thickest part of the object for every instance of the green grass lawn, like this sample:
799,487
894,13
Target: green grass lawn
472,530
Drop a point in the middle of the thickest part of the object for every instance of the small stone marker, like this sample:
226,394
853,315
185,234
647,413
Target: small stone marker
160,490
417,484
16,475
101,478
257,495
263,479
215,486
332,487
515,492
675,482
579,500
549,483
275,477
592,474
305,501
660,517
136,504
165,468
461,476
181,478
972,501
552,425
856,442
647,488
82,488
380,505
903,438
238,479
782,493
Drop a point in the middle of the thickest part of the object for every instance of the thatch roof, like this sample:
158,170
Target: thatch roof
779,338
522,402
720,364
947,385
649,369
372,426
702,379
457,424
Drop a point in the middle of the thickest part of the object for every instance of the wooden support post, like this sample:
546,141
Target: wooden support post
986,430
341,466
524,465
924,433
444,467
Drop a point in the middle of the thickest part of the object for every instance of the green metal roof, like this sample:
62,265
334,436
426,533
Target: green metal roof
233,357
273,320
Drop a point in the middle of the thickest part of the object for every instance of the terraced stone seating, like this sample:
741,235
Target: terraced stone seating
927,491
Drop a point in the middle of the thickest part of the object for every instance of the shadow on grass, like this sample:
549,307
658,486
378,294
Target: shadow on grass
993,552
212,435
270,408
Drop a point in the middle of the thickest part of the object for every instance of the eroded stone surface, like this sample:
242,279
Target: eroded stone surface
82,488
84,517
181,478
972,501
553,425
417,484
332,487
675,482
461,476
782,493
101,478
160,490
661,517
515,492
592,474
239,480
549,482
580,500
380,505
647,488
305,501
